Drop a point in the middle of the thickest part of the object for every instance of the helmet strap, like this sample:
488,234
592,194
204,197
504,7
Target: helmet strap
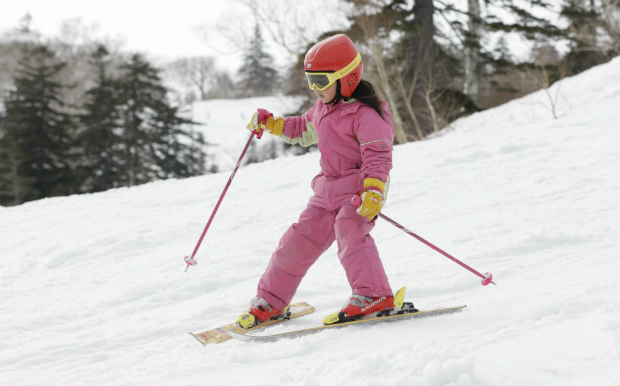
337,97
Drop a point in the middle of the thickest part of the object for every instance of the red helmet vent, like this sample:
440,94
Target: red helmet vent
353,79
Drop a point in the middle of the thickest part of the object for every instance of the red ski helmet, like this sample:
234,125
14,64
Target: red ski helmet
332,59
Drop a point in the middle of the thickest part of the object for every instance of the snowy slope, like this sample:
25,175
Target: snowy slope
221,119
93,289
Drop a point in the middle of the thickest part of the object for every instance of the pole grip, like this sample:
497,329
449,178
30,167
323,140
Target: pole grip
263,115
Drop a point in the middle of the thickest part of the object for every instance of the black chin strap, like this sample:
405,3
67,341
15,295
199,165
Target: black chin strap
337,97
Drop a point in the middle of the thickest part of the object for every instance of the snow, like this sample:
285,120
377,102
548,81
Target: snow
220,121
93,289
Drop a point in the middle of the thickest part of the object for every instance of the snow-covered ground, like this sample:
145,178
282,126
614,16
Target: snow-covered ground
93,290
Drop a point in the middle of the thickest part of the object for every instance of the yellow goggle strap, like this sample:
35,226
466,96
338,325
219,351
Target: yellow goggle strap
350,67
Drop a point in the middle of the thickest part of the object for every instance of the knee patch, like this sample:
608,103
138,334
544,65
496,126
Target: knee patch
295,254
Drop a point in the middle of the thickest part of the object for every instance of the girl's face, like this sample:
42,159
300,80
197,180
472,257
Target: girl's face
326,95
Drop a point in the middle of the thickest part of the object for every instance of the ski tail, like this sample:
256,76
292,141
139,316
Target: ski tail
222,333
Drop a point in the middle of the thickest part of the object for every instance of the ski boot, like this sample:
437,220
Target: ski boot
360,306
260,311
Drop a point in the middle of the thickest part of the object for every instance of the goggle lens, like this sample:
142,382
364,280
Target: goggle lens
320,81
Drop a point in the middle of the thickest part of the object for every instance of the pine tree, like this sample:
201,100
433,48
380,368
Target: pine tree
38,133
586,50
100,141
258,77
13,186
154,142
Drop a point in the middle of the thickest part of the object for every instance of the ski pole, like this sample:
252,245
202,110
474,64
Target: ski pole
486,278
190,260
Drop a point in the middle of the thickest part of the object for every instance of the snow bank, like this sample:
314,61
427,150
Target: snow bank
93,290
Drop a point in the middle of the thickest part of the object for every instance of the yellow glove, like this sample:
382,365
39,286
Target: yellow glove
372,198
271,125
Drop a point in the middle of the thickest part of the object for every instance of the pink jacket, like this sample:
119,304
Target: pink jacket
354,142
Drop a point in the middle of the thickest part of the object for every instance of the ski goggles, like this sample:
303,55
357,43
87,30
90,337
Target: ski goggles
322,80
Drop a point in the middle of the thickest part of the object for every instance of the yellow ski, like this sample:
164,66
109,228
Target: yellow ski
307,331
222,334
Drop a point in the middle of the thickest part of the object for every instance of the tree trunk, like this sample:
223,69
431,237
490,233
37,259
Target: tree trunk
421,60
17,196
407,100
472,52
423,47
399,131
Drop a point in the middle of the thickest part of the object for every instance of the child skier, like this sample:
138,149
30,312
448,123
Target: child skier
355,137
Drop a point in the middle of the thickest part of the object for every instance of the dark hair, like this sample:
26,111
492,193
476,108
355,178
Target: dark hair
365,93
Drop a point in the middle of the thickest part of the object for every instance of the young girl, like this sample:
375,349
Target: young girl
355,136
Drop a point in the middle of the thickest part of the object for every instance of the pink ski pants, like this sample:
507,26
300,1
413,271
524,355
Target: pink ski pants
303,243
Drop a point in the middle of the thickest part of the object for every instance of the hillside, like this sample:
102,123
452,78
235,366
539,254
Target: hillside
93,289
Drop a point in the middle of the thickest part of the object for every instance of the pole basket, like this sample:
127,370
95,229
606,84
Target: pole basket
190,261
488,279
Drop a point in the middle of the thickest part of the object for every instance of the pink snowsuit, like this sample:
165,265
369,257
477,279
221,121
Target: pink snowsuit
355,143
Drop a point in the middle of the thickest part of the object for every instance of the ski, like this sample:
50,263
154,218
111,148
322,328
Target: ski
381,319
223,333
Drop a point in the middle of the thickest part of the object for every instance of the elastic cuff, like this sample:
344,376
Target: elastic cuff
373,183
374,190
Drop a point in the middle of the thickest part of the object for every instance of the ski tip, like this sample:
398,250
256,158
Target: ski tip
197,338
